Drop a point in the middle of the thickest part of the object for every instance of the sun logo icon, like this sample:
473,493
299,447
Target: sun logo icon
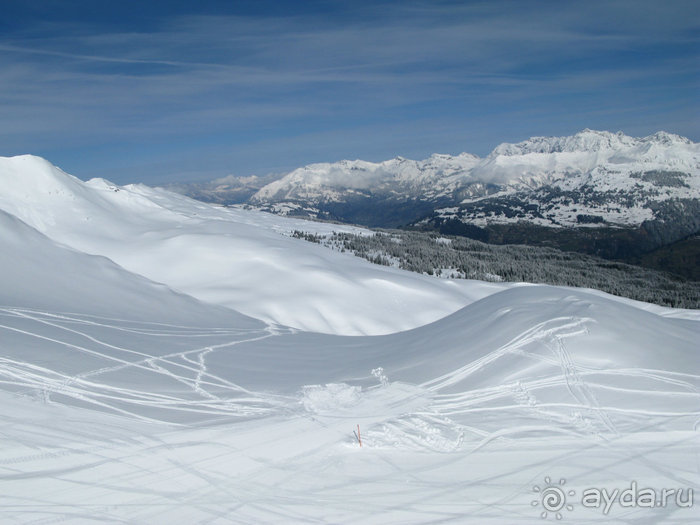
552,497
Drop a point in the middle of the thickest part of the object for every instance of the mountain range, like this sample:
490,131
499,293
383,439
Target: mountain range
599,192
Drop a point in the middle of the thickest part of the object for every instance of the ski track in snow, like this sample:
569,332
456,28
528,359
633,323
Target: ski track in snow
218,470
82,386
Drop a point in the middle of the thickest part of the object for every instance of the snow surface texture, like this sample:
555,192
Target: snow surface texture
126,401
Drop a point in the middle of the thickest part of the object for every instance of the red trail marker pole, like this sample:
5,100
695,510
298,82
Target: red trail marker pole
359,437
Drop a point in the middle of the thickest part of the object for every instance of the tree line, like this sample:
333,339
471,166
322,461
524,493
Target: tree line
464,258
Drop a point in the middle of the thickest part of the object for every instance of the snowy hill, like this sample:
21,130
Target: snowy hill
127,400
39,273
229,257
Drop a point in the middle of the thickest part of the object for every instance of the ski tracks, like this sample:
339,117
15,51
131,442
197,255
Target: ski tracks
166,368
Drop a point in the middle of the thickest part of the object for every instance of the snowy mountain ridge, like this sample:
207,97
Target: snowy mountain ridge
586,140
429,178
592,178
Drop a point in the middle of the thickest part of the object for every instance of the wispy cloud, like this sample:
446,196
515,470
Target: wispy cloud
201,82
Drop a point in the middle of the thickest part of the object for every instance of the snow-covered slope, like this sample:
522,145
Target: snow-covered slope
124,401
184,422
229,257
39,273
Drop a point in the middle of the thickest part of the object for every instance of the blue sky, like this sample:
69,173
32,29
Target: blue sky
173,90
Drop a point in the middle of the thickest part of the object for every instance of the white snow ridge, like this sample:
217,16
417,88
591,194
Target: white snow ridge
167,361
